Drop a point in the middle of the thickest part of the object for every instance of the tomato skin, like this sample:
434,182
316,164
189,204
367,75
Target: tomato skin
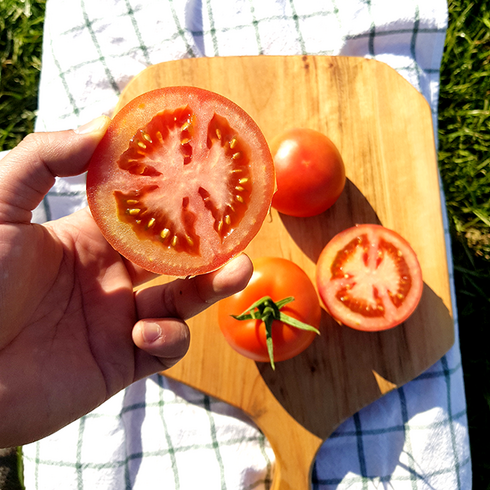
310,172
369,278
162,183
278,278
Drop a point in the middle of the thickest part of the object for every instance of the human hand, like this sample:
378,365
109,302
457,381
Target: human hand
72,330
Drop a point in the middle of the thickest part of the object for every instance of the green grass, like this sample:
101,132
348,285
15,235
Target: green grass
465,123
464,159
21,24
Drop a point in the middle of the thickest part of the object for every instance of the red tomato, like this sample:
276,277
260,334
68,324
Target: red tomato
369,278
310,172
278,278
181,182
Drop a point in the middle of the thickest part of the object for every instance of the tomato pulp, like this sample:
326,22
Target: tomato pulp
369,278
181,182
277,278
310,172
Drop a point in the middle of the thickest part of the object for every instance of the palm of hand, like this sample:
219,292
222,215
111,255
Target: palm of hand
72,332
73,322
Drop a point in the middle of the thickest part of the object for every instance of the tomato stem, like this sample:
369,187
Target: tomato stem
267,310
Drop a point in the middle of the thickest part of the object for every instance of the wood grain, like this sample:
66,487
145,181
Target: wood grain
383,129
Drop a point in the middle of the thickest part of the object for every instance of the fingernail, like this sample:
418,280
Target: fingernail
93,126
151,332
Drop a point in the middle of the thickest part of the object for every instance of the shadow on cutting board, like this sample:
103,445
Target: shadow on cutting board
362,366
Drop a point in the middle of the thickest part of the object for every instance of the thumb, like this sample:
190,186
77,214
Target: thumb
28,172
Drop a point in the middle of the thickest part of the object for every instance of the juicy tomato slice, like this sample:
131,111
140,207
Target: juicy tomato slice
278,278
181,182
310,172
369,278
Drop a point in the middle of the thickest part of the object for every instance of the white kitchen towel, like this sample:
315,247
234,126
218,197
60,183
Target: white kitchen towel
159,434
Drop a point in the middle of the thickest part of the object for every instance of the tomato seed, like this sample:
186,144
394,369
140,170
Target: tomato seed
146,136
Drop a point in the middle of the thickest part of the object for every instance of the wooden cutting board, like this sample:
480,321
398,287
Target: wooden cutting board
383,128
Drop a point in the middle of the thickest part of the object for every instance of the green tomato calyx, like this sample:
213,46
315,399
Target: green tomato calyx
267,310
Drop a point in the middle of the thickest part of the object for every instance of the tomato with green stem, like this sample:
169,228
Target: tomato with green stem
276,317
181,182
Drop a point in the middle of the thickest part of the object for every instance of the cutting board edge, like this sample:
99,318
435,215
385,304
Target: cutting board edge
361,60
373,65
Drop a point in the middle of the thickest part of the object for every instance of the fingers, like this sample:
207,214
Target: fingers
185,298
161,334
137,274
165,339
29,170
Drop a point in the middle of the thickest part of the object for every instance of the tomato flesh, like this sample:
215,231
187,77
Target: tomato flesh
182,181
369,278
278,278
140,208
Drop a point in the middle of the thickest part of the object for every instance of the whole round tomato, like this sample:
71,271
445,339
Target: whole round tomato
181,182
310,172
369,278
278,279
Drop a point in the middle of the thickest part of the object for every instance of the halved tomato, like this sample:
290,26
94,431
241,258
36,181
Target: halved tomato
181,182
369,278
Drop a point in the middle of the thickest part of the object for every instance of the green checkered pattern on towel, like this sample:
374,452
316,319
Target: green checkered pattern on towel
84,464
158,433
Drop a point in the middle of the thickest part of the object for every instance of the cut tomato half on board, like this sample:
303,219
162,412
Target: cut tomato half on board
181,182
369,278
